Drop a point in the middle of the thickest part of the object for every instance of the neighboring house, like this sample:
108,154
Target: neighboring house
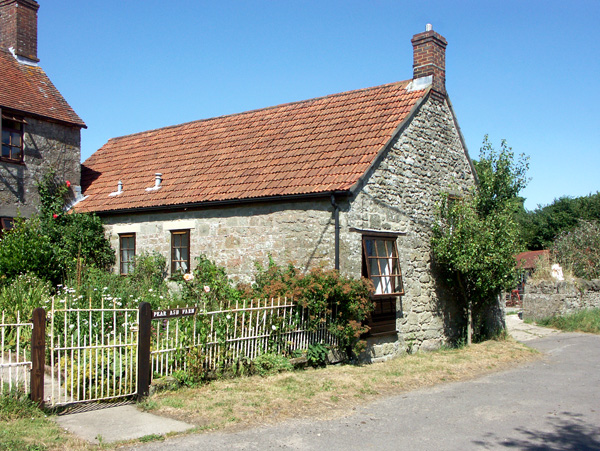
349,180
40,131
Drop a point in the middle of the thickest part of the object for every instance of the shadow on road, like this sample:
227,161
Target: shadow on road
569,432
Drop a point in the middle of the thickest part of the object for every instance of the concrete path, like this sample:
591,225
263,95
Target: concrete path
111,424
525,332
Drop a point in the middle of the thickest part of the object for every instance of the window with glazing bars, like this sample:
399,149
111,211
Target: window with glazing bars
127,252
12,140
382,265
180,251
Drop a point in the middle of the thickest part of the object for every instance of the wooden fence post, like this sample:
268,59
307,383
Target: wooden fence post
38,356
144,333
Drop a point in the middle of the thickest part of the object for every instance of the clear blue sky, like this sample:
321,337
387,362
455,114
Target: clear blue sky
525,71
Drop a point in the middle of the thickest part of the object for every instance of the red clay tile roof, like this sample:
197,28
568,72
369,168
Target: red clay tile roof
28,89
314,146
528,259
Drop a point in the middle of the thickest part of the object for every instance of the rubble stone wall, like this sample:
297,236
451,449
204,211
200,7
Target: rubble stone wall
549,298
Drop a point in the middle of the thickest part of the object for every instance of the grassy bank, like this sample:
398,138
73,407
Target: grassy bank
583,321
331,391
243,402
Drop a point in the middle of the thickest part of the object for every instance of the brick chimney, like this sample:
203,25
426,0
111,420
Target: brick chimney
429,58
18,27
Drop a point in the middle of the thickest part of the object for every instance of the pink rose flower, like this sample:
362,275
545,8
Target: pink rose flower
206,288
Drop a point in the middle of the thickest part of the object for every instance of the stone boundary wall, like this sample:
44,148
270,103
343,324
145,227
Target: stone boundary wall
548,298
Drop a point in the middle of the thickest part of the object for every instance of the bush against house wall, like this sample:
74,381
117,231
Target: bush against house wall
54,243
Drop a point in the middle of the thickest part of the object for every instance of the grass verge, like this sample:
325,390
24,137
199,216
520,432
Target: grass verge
24,427
328,392
582,321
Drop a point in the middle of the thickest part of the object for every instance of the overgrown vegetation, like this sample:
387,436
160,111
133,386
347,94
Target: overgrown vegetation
579,250
582,321
475,238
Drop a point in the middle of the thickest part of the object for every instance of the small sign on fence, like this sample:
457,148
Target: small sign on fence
173,313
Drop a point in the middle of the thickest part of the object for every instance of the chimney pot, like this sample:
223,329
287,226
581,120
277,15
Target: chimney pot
157,180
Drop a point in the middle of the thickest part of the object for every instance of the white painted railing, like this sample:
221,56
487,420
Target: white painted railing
15,354
242,330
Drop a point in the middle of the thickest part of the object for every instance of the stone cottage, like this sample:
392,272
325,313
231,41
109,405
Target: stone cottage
349,181
39,129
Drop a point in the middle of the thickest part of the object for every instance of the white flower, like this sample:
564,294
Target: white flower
274,327
105,288
206,288
150,290
188,277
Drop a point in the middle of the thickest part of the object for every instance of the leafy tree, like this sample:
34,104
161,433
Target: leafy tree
543,225
475,238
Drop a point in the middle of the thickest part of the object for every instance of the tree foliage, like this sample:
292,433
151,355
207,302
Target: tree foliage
475,238
545,224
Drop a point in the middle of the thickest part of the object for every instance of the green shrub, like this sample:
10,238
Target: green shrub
270,363
54,243
316,354
208,285
150,271
323,293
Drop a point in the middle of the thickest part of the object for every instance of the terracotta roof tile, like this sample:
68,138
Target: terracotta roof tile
310,147
27,89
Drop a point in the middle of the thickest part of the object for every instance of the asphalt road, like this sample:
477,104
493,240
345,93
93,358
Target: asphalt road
550,404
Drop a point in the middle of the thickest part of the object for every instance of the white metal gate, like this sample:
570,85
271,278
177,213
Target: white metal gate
93,354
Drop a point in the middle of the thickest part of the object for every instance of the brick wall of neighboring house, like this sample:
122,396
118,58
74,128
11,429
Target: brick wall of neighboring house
46,145
398,195
548,298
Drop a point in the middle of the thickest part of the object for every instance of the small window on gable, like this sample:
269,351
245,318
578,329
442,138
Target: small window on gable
180,251
126,253
12,140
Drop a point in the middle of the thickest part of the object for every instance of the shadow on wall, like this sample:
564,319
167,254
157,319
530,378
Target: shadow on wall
448,306
567,431
11,179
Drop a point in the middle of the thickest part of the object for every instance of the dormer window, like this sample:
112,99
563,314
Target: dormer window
12,140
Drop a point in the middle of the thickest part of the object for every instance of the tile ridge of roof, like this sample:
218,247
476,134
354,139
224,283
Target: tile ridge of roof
167,127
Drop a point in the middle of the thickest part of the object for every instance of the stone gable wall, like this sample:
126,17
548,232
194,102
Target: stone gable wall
548,298
399,194
46,145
